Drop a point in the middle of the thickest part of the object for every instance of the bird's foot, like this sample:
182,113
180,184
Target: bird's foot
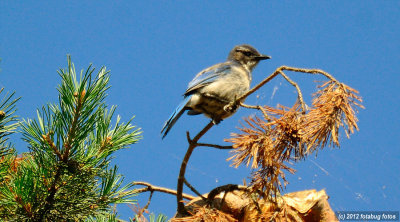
231,107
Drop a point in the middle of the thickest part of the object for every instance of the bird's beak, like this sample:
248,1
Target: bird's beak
262,57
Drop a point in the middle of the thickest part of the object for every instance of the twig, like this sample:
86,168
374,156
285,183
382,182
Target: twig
215,146
310,71
72,130
181,177
259,85
190,141
148,202
300,95
256,107
151,188
193,189
278,71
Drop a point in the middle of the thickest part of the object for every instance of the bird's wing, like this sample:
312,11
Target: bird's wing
208,76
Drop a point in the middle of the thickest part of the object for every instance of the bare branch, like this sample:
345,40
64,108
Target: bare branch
148,201
152,188
279,71
300,95
256,107
310,71
181,177
259,85
194,190
215,146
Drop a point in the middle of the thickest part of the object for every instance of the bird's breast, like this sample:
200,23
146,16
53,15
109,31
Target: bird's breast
212,98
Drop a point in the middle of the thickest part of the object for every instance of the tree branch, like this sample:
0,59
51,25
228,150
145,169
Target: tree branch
72,129
193,189
181,177
67,144
256,107
152,188
309,71
215,146
52,145
49,201
279,71
300,95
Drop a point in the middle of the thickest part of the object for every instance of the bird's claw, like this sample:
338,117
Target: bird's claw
231,107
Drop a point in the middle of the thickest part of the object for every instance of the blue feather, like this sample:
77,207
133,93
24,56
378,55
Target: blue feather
175,116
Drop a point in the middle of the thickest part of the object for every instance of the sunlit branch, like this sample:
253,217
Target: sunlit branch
256,107
151,188
279,71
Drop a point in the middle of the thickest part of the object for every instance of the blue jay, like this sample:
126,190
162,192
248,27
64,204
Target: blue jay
215,87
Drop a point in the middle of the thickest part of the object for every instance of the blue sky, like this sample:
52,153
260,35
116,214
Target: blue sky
154,48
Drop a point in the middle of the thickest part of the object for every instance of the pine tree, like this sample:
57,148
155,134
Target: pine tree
67,174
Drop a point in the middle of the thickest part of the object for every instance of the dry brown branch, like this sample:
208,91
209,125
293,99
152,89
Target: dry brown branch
309,71
290,134
151,188
215,146
299,93
256,107
193,189
278,71
181,178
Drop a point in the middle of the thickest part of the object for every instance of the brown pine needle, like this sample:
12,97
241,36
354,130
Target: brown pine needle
334,106
292,134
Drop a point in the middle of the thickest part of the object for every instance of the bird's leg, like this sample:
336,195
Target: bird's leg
216,121
232,106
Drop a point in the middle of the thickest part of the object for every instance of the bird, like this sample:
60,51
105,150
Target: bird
216,87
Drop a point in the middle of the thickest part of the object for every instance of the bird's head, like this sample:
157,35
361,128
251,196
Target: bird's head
246,55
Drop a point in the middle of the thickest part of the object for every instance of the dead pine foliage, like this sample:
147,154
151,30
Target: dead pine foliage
283,135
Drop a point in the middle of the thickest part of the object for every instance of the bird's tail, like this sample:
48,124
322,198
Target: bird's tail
174,117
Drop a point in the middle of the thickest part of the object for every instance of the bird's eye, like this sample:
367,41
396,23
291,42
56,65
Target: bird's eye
246,53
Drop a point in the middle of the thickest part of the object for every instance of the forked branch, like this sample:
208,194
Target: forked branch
279,71
181,178
290,128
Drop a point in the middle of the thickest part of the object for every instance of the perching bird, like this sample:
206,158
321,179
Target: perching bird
214,88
